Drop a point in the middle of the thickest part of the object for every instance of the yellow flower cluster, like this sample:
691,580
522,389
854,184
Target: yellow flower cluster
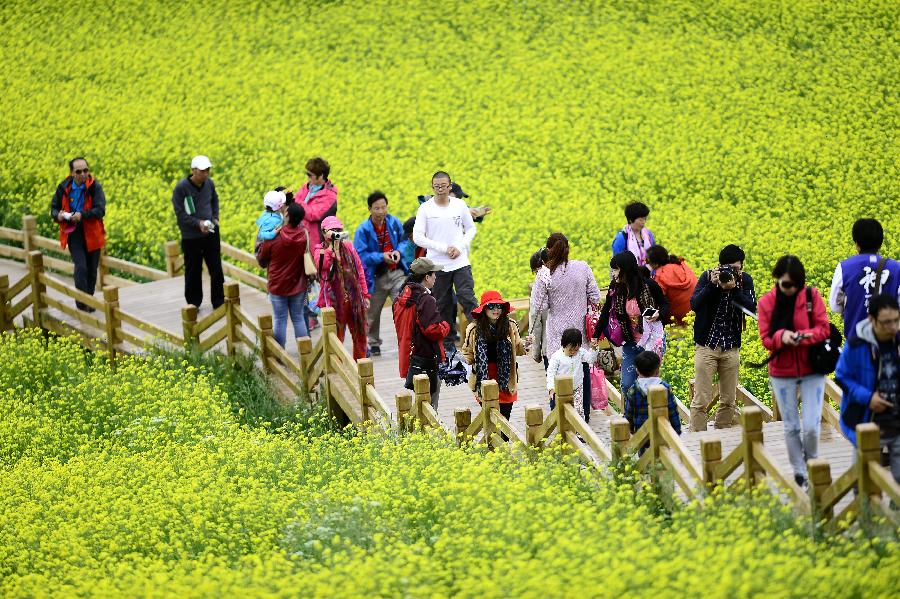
140,482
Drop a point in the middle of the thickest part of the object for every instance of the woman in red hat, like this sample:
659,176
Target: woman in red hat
491,345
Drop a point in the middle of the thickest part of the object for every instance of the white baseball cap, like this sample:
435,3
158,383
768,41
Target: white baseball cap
274,200
201,162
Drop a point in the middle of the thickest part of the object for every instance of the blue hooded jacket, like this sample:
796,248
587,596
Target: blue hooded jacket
365,240
857,374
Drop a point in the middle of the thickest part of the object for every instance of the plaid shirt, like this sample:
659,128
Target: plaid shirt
637,408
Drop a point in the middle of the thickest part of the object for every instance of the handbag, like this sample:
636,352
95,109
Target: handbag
823,356
454,371
599,392
607,360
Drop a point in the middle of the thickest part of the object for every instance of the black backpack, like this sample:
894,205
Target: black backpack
823,356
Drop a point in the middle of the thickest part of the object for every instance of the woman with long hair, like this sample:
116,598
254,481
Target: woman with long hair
675,278
343,283
565,293
791,318
633,305
491,345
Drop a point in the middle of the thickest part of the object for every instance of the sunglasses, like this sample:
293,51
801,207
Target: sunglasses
494,306
787,284
79,171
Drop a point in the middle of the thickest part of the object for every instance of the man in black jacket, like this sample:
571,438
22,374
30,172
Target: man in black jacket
717,301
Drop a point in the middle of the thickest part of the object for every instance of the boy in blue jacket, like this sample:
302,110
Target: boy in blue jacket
381,245
869,373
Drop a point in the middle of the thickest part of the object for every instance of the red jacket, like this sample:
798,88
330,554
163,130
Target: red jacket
284,258
424,337
677,282
323,203
793,361
92,213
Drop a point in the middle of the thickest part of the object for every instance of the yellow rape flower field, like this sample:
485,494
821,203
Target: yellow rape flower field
768,124
142,482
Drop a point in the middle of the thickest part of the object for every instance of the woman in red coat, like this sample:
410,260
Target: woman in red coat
787,330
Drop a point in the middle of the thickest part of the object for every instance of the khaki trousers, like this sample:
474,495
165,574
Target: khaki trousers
707,362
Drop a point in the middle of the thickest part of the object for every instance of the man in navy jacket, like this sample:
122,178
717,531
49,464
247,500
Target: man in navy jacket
869,373
380,243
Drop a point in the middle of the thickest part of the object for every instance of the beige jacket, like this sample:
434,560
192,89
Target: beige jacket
468,351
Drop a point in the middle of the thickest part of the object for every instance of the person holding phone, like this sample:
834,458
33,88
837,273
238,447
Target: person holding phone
787,331
381,244
632,314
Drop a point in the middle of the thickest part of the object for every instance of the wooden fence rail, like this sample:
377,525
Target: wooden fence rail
347,388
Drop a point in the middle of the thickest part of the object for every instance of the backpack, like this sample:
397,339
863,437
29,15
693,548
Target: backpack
823,356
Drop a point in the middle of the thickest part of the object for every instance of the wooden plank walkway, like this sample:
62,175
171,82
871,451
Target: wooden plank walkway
160,302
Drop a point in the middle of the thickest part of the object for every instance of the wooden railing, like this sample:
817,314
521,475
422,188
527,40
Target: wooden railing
347,388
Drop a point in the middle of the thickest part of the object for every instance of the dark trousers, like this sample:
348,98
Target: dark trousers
85,262
585,387
196,252
506,412
460,280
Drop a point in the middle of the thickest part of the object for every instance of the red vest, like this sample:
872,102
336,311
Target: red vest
94,233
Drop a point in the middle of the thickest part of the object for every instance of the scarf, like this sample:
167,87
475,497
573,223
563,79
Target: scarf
644,299
504,360
783,313
638,248
343,291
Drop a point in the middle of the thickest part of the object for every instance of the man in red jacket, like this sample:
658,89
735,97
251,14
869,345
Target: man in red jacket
79,206
283,256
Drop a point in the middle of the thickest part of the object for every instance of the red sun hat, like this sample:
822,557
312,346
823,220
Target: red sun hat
492,297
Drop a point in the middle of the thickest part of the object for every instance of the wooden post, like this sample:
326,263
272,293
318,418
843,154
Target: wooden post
366,371
534,420
110,304
490,404
422,390
329,325
463,418
619,434
868,449
659,408
38,289
265,333
751,421
102,268
5,320
173,250
819,472
563,387
304,351
188,322
710,457
29,231
232,303
404,406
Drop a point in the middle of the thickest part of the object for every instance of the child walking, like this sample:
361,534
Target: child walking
567,360
637,404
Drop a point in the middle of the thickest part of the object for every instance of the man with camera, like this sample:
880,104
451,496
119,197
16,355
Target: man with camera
869,373
719,299
380,243
196,206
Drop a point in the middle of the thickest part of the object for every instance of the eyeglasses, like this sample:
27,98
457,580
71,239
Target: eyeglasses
79,171
787,284
494,306
440,186
888,323
309,174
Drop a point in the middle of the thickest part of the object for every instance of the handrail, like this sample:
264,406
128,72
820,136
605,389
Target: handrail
506,428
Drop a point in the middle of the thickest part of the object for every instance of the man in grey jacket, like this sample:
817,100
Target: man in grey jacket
196,205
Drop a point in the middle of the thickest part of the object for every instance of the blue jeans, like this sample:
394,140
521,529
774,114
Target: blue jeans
629,374
801,430
281,306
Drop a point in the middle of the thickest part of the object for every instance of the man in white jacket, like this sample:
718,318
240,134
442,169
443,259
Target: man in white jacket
444,227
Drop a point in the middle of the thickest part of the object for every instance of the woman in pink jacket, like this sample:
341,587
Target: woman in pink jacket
343,283
318,196
791,318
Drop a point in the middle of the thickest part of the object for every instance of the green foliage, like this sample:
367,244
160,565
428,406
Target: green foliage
154,488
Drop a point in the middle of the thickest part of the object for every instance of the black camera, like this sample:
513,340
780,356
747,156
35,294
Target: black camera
726,273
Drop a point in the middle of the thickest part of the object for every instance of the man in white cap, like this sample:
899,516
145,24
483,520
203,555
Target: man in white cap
196,205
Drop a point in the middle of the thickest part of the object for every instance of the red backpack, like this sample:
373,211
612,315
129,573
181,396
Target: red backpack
404,319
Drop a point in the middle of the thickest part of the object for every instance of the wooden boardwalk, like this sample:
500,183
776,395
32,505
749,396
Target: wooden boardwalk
160,302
